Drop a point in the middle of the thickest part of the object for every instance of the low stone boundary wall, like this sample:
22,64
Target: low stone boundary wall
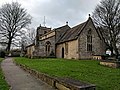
59,83
113,64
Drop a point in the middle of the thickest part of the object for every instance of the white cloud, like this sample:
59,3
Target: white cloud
57,12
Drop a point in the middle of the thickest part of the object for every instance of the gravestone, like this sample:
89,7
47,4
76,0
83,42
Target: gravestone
108,52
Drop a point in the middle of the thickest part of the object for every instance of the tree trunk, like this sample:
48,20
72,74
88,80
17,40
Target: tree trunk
116,52
9,45
115,48
111,49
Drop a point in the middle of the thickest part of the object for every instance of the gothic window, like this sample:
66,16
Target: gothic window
48,47
89,40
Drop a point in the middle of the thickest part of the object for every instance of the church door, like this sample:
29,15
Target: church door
62,52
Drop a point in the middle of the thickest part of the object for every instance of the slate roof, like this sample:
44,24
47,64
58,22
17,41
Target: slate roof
62,31
62,27
72,33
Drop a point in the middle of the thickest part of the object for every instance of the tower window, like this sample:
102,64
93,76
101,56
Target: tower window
45,32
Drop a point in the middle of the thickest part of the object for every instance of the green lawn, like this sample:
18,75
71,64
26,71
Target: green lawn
85,70
3,84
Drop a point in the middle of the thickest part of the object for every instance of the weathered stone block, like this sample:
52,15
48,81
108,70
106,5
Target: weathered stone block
70,84
61,87
113,64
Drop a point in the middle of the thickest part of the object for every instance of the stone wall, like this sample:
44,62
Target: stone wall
74,49
70,50
30,51
113,64
42,30
42,46
97,44
47,35
77,49
59,50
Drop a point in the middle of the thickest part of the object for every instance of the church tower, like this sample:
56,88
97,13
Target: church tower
41,30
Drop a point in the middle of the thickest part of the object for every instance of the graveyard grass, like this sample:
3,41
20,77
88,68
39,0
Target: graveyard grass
3,83
85,70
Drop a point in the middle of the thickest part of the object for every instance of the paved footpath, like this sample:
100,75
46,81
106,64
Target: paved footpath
18,79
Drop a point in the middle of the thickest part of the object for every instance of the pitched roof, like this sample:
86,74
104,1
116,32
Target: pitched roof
62,27
72,33
62,30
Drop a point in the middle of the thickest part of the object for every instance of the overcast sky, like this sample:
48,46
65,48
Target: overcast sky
57,12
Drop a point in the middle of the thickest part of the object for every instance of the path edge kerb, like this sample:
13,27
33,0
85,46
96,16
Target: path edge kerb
58,83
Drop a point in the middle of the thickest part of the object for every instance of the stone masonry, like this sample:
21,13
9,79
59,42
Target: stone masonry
80,42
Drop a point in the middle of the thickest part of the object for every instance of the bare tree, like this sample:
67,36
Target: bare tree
25,38
12,19
30,35
107,17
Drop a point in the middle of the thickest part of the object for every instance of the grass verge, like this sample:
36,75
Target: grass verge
85,70
3,83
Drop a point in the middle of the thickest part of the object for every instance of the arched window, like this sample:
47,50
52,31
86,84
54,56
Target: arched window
45,32
89,40
48,47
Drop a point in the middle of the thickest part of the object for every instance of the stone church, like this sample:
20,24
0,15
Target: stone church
79,42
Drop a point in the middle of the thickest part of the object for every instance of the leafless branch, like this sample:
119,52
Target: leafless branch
12,19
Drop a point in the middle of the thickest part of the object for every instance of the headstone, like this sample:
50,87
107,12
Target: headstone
108,52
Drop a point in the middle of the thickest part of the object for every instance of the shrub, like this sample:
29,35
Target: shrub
2,54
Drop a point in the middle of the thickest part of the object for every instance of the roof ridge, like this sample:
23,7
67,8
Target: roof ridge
61,27
71,34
